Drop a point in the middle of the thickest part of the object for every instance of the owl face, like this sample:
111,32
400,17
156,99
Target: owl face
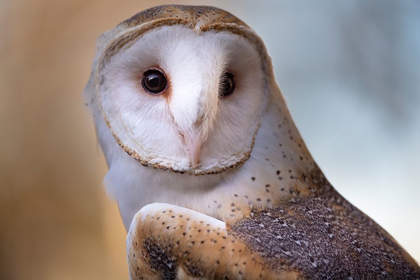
185,100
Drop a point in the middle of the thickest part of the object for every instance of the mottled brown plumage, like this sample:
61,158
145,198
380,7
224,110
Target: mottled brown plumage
203,16
322,235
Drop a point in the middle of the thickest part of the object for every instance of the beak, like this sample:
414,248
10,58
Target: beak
193,143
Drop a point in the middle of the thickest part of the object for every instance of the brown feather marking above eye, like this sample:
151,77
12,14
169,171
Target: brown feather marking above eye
203,15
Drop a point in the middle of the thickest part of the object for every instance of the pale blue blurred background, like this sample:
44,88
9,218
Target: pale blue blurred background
350,71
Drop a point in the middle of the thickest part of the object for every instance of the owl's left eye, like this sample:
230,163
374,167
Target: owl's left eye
154,81
227,85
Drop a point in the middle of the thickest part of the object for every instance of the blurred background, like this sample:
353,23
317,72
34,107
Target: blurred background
350,71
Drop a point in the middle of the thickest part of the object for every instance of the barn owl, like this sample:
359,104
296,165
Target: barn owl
211,175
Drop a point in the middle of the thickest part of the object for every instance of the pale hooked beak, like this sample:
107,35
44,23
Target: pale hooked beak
193,143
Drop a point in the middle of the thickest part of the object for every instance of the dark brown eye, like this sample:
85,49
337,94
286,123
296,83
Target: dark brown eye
227,85
154,81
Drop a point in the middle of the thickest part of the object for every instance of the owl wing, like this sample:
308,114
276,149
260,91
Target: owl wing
171,242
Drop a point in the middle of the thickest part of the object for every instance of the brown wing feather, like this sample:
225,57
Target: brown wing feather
324,236
171,242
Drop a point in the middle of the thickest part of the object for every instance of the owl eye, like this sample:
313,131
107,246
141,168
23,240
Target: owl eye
227,85
154,81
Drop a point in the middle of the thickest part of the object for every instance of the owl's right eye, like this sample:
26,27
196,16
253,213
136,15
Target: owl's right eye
154,81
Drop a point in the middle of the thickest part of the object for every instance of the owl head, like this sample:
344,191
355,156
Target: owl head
180,88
